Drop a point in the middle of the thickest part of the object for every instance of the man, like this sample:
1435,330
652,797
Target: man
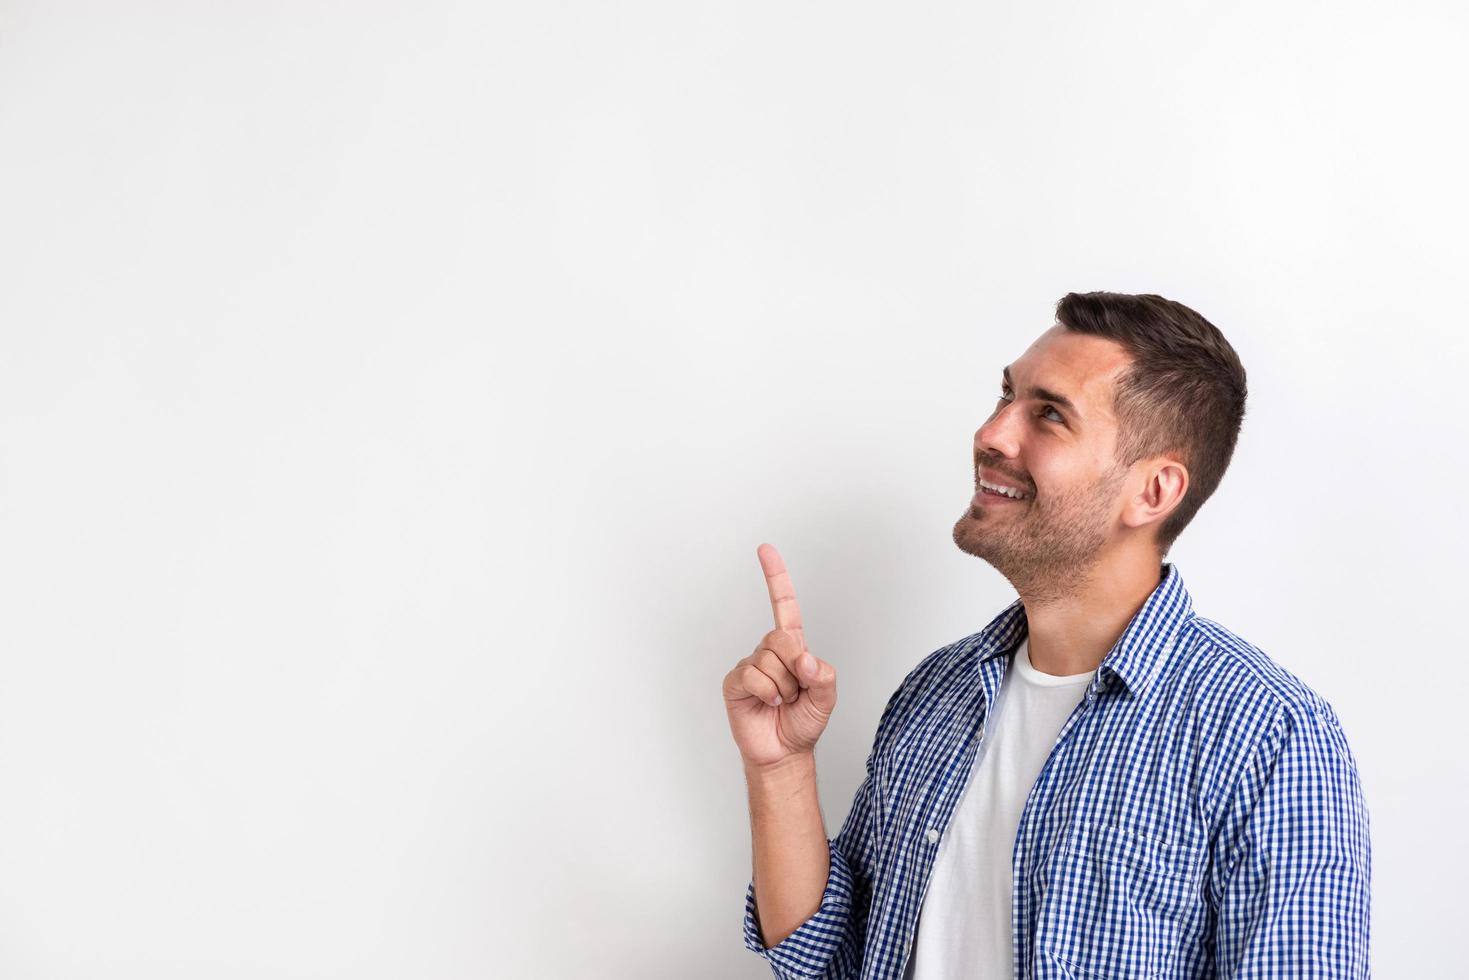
1101,783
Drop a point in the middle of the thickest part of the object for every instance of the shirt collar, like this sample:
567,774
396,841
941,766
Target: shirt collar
1139,653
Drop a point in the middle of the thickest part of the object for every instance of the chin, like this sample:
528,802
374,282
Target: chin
969,539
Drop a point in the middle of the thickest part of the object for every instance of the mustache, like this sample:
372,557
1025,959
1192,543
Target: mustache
989,465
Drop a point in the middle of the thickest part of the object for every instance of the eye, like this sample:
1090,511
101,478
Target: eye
1005,390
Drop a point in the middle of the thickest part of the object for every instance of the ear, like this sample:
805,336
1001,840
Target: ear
1165,481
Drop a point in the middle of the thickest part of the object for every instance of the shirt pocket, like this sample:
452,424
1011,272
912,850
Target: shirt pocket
1118,905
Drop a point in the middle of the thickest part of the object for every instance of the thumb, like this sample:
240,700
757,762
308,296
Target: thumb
819,678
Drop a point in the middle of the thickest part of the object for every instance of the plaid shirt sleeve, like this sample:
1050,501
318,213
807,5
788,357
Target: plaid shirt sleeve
1296,859
829,944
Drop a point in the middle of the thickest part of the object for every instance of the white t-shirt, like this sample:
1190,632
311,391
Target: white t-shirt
964,922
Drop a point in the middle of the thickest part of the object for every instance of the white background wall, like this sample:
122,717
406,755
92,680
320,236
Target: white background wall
393,396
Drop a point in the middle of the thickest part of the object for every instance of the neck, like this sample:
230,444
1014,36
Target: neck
1071,631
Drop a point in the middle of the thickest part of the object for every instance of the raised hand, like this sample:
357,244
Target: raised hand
781,696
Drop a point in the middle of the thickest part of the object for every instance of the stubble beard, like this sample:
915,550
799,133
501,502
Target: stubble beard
1051,547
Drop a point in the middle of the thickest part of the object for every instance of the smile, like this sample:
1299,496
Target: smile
994,489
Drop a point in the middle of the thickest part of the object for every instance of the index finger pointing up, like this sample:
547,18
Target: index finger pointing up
782,593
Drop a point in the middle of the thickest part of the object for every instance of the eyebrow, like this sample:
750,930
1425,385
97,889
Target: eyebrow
1045,394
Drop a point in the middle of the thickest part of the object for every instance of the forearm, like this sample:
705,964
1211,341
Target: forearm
788,844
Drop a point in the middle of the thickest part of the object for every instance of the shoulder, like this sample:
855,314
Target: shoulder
1230,669
939,668
1265,720
1285,784
934,678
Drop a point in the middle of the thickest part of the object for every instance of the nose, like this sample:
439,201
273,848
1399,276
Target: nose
997,436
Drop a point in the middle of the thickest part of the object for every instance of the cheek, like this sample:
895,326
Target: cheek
1050,477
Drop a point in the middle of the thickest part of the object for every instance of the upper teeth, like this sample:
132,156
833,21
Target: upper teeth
1007,491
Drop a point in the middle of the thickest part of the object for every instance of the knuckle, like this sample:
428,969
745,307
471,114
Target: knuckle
755,678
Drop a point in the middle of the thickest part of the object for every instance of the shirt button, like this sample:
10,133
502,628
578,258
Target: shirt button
933,836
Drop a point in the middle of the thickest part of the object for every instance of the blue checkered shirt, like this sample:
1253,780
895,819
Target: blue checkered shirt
1200,815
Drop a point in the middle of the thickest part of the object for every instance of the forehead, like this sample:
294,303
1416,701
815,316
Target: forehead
1082,367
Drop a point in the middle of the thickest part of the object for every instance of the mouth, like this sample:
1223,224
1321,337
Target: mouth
999,493
990,498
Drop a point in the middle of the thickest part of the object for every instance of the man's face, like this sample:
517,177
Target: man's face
1061,456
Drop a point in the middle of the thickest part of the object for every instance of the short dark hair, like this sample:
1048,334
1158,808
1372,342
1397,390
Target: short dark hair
1183,393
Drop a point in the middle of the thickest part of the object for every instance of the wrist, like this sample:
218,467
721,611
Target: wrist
796,768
